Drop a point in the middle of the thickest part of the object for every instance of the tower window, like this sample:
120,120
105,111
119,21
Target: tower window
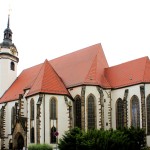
12,66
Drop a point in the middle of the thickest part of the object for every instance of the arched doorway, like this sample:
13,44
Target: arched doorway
20,142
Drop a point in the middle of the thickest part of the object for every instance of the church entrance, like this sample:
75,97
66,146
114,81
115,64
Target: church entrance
20,142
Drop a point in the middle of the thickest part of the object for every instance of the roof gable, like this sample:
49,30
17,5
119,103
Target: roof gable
76,68
47,81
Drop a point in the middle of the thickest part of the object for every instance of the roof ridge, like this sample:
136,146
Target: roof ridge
92,68
128,61
38,74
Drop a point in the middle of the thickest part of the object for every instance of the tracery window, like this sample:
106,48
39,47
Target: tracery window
32,109
53,119
119,114
53,109
32,135
12,66
148,114
78,111
13,117
135,112
91,112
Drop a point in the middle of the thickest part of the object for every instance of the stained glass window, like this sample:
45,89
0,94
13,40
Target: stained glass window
148,114
78,112
135,112
13,118
119,114
32,109
53,109
91,112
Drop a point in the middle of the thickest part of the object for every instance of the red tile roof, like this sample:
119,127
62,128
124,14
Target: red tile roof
129,73
24,81
47,81
87,66
73,69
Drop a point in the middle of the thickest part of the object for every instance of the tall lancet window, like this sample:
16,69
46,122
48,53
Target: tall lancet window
148,114
135,112
78,111
53,120
53,109
32,109
13,118
119,114
91,112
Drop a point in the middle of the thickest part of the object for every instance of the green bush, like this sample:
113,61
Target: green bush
40,147
123,139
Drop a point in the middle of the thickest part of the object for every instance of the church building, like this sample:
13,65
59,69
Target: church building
75,90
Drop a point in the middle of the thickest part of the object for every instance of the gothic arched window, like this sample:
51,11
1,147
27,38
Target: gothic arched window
32,135
53,109
119,114
13,117
78,111
12,66
135,112
32,109
148,114
91,112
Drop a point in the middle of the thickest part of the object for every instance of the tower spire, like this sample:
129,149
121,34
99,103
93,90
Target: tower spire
8,20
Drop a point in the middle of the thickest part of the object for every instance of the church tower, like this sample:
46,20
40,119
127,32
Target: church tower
8,60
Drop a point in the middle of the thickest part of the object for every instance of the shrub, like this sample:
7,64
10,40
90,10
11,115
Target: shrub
40,147
123,139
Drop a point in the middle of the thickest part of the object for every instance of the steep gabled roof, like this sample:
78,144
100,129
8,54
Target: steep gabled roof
47,81
129,73
85,66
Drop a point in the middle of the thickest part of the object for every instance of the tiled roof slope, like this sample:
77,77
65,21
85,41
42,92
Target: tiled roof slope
85,66
24,81
129,73
48,81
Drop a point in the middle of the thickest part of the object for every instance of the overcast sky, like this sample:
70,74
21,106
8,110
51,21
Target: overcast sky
46,29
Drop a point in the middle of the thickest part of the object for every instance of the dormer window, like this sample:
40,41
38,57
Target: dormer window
12,66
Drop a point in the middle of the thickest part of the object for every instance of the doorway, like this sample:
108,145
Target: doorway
20,142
